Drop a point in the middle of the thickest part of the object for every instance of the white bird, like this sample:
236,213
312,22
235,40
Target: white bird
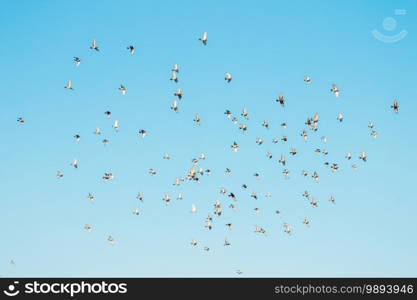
193,208
174,76
88,227
165,156
108,176
265,124
306,222
74,163
269,155
239,272
174,106
139,196
94,45
20,120
340,117
235,147
175,68
122,89
152,171
228,113
77,61
179,196
107,114
282,160
374,134
335,90
178,93
59,174
193,243
315,177
286,173
131,49
203,38
197,120
313,202
259,229
116,125
228,77
226,242
307,79
259,140
243,127
105,142
293,151
136,211
166,199
245,114
77,137
332,199
202,156
363,156
348,156
97,131
287,228
370,125
91,198
110,239
69,85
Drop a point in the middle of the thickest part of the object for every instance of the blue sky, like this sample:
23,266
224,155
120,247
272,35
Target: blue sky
268,46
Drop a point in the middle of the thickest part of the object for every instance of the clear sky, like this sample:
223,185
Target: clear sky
268,46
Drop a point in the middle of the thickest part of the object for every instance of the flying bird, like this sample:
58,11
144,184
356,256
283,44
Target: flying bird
228,77
395,106
77,61
69,85
131,49
203,38
94,45
335,90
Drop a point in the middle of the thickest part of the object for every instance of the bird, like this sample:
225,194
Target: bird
307,79
254,195
235,147
306,222
108,176
174,106
179,196
193,208
116,125
105,142
94,45
97,131
229,226
332,199
374,134
131,49
203,38
228,77
69,85
287,228
275,140
280,99
88,227
282,160
110,239
122,89
265,124
152,171
245,114
395,106
107,114
139,196
315,177
77,61
166,199
370,125
340,117
286,173
142,133
226,242
239,272
348,156
91,198
293,151
206,248
20,120
313,202
193,243
178,93
228,113
269,155
335,90
77,137
174,76
259,229
363,156
197,120
175,68
135,211
74,163
259,140
59,174
166,156
243,127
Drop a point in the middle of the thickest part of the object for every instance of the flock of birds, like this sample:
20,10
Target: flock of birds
196,172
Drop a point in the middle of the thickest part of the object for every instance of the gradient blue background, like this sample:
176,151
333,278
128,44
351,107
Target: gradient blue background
268,46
